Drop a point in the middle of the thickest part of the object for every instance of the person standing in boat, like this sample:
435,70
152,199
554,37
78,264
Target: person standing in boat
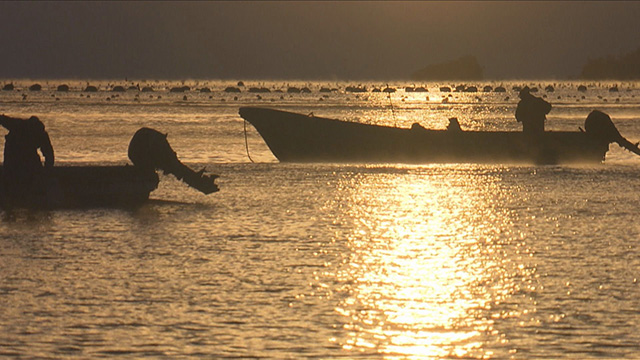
23,172
532,112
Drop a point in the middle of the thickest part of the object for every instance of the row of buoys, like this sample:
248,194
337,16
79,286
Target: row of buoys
445,100
297,90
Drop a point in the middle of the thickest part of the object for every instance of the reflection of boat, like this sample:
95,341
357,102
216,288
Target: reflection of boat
306,138
107,186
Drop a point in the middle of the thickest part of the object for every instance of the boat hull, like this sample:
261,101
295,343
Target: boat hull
300,138
87,186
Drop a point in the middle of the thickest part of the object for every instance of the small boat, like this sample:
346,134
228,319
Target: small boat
126,186
294,137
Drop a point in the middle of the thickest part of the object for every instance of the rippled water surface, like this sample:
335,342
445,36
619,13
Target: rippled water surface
326,260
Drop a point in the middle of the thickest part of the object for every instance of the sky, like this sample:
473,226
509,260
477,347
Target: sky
325,40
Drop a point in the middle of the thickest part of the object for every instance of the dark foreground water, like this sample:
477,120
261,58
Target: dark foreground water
327,260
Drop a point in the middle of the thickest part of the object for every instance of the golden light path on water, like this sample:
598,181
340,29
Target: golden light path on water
432,261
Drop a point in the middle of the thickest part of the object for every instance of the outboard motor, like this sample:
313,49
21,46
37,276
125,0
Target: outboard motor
599,126
149,149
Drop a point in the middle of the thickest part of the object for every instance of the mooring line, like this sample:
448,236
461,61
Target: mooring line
393,113
246,141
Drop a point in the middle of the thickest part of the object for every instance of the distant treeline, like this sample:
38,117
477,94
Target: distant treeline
464,68
623,67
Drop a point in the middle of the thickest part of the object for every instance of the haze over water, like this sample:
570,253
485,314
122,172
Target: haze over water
326,260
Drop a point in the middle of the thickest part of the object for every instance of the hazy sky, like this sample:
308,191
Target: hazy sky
308,40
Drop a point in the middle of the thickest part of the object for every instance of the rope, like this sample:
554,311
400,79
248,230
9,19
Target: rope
246,141
393,113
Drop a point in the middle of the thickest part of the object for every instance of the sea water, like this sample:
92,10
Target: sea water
326,260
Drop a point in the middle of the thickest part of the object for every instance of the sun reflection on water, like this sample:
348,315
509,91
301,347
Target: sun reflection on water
431,261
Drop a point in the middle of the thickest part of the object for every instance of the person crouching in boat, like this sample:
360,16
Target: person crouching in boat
23,174
532,112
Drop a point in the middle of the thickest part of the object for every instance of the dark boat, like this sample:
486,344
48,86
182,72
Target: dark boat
296,137
126,186
91,186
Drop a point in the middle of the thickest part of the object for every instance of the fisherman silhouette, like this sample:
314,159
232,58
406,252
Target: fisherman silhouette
23,174
531,112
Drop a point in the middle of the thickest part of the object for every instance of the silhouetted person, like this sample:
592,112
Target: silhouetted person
532,112
23,174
